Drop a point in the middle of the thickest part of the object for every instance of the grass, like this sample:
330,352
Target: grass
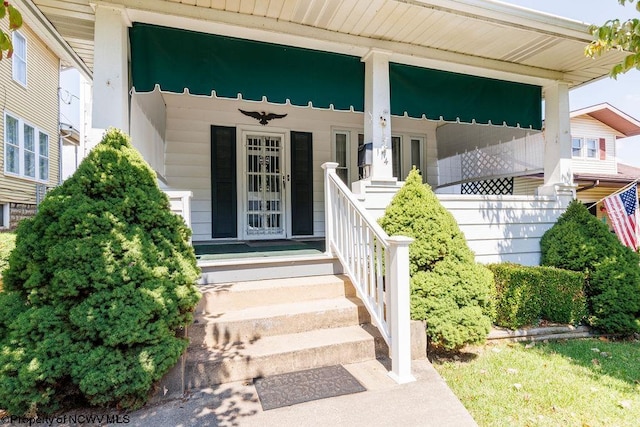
7,243
572,383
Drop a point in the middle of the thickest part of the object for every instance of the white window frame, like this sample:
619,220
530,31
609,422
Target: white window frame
596,148
6,216
334,153
22,150
580,140
422,150
18,59
399,160
43,156
585,152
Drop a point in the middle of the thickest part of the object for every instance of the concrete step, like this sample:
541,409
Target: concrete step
257,322
266,268
279,354
225,297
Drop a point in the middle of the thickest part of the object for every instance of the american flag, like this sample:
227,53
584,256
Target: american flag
622,209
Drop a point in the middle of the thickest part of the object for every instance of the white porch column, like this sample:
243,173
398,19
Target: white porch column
377,118
110,69
557,135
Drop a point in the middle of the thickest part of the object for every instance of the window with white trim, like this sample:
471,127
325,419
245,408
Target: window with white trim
396,157
592,148
26,151
43,156
417,154
576,147
19,58
585,147
341,154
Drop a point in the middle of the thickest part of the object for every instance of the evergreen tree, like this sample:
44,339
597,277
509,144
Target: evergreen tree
98,287
449,290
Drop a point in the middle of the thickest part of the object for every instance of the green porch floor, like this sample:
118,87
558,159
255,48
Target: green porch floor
257,249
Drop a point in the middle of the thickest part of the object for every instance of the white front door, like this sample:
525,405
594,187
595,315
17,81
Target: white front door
264,213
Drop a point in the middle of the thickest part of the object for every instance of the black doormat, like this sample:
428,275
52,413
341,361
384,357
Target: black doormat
303,386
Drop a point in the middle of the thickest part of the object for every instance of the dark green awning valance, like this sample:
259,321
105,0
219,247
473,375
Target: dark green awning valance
177,59
435,94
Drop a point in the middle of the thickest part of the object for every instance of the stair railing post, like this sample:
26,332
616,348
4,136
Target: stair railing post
329,169
399,308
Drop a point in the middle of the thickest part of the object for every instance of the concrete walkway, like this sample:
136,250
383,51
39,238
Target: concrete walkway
425,402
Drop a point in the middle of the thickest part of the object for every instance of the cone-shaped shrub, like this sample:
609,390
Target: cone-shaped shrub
98,287
580,242
449,290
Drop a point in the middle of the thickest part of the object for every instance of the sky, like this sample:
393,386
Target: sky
623,93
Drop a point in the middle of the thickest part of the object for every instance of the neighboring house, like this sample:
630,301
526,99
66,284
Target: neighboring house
30,149
597,171
402,76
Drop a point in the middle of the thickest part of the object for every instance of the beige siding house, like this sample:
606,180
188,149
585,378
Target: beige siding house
597,172
29,127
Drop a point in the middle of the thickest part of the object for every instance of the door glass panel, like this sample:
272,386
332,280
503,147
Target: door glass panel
264,187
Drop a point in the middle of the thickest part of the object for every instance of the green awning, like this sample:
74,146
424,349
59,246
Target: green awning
177,59
451,96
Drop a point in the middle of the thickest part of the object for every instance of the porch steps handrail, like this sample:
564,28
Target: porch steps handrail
378,266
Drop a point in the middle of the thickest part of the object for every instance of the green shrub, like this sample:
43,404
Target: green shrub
579,242
449,289
525,295
99,285
7,243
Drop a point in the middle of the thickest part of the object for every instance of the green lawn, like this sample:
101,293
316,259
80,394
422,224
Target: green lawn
573,383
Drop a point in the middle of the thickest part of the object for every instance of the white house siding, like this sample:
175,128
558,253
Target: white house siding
188,139
504,228
148,125
587,127
497,228
37,105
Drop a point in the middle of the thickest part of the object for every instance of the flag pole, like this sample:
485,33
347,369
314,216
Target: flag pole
614,193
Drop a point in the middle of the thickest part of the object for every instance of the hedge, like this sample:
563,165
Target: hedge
526,295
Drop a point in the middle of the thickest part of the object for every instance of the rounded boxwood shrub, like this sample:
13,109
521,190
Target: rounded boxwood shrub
99,286
580,242
449,290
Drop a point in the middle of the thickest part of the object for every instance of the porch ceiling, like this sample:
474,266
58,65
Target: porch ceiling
522,44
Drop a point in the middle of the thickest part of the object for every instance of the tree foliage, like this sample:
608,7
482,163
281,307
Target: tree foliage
15,22
449,289
580,242
99,285
623,35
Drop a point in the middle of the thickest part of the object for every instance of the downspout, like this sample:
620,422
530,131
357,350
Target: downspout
59,136
593,185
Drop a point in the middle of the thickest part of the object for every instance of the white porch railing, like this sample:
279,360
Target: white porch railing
180,203
378,266
520,156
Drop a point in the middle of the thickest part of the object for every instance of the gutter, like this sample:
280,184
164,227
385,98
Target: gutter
589,187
